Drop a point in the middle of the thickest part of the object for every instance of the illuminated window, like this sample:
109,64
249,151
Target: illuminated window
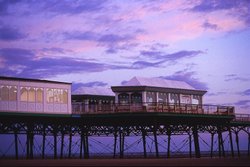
24,94
123,98
39,95
57,95
149,99
186,99
13,93
196,99
5,93
136,98
174,98
49,95
65,96
31,95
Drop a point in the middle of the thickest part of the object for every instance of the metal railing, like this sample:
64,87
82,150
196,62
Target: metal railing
242,117
82,108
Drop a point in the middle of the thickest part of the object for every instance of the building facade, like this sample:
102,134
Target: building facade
156,90
34,96
92,100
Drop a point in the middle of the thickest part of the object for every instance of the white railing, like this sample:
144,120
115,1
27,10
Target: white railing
242,117
82,108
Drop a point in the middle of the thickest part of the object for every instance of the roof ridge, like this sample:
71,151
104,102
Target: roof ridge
137,79
158,82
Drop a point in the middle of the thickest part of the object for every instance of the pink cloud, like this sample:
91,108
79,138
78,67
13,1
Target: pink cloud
187,25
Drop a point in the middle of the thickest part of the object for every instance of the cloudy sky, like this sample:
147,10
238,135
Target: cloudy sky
105,42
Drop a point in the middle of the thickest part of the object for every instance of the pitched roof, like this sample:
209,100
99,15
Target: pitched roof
158,82
103,91
31,80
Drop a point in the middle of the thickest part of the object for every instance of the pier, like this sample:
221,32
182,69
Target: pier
119,122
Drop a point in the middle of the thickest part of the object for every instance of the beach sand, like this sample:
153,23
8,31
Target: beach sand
131,162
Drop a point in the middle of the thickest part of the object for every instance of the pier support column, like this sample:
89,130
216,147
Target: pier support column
16,145
231,141
86,145
43,142
248,152
212,145
70,143
144,143
156,143
222,146
196,142
55,144
31,144
221,143
27,145
237,143
122,137
169,140
81,145
62,145
190,145
115,142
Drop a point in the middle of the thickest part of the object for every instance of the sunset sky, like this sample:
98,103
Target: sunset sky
105,42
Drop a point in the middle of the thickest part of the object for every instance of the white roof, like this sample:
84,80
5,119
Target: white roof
157,82
103,91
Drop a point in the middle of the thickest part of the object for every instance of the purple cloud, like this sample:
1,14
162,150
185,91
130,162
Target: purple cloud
208,25
244,104
246,92
54,7
145,64
113,38
171,57
112,42
155,54
77,35
161,58
12,55
123,46
234,77
157,46
241,8
24,64
77,7
76,85
188,78
231,75
53,49
91,36
209,6
183,54
111,50
115,42
4,5
9,34
216,94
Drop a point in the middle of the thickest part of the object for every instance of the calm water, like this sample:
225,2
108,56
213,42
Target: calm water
101,147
